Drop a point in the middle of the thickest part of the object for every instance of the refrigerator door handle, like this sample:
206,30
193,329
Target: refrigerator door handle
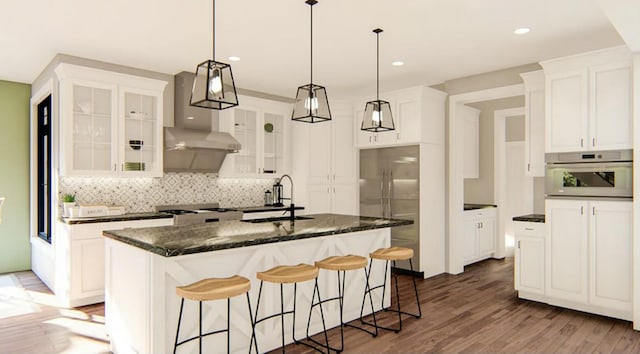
382,208
390,192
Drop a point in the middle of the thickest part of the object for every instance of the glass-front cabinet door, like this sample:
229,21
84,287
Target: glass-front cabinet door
244,130
141,140
273,144
88,116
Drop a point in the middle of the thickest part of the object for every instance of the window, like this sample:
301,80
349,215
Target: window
44,169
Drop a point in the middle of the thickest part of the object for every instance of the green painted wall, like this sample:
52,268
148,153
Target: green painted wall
15,250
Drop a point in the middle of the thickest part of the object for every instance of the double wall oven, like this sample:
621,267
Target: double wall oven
606,174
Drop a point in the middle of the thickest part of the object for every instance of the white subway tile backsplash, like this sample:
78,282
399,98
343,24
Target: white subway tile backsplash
139,195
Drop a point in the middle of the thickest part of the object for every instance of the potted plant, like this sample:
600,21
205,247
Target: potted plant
68,201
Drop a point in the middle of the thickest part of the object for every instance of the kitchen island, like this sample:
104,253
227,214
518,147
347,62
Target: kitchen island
143,267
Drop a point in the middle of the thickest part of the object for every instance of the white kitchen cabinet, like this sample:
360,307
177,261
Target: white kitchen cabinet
529,258
262,128
417,114
610,254
110,123
480,234
588,101
336,198
589,255
534,122
471,133
79,260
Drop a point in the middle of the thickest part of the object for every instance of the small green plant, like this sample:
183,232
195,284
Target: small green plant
69,198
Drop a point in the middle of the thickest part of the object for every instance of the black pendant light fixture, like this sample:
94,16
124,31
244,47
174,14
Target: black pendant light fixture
377,114
311,105
213,85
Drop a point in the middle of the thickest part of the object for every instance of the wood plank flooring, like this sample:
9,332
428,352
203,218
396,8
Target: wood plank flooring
474,312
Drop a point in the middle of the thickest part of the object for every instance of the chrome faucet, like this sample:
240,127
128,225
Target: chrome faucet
291,205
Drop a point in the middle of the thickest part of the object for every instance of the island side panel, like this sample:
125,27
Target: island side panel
163,274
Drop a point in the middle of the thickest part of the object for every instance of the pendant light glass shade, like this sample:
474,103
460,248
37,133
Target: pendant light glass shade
213,85
377,114
311,104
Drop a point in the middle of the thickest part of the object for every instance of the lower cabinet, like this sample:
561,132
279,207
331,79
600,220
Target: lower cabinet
589,256
480,234
529,258
79,259
331,198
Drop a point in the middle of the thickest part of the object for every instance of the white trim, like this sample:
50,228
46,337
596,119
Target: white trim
456,155
636,193
500,171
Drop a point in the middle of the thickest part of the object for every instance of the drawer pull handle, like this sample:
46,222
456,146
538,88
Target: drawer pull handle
528,229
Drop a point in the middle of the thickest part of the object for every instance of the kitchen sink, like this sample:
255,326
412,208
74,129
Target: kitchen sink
275,219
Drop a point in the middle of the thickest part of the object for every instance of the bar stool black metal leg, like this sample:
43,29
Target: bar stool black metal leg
282,313
175,346
253,326
229,326
384,284
415,289
395,277
254,337
200,328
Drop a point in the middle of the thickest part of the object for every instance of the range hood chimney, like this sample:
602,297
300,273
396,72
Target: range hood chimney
192,145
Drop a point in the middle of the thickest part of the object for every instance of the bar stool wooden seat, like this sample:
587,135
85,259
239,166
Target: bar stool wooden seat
211,289
342,264
290,274
393,254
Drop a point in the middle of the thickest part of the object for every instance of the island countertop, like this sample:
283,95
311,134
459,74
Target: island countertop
169,241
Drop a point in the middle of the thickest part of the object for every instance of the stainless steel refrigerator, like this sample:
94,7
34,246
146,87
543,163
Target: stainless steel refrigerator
390,188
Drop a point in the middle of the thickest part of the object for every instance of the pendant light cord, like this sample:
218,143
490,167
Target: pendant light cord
378,66
311,79
213,31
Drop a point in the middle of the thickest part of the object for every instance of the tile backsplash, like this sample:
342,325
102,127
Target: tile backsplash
139,195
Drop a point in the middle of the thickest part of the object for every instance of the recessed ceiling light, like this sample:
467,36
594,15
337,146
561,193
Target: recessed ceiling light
522,30
234,58
397,63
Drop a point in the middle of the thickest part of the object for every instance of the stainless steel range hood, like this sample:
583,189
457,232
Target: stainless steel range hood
194,150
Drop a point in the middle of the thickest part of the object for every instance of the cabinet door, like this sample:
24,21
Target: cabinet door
534,134
529,264
140,145
470,242
471,133
566,111
611,254
567,235
343,152
486,236
245,131
87,267
610,107
274,146
89,133
409,126
318,199
320,153
344,199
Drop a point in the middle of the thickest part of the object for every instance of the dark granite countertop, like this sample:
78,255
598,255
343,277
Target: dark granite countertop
111,218
259,209
172,241
478,206
530,218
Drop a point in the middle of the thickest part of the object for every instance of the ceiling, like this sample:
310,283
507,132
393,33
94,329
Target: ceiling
437,39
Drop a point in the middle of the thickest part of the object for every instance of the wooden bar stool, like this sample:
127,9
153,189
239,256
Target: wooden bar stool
392,254
214,289
290,275
341,264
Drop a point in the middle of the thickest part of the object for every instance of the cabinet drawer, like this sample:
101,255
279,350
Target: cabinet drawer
529,228
480,213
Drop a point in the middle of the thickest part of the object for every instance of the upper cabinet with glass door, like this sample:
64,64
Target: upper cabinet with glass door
110,123
262,128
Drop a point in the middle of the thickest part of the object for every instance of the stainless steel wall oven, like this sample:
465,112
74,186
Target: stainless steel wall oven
590,174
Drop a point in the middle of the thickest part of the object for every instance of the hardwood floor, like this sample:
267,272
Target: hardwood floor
475,312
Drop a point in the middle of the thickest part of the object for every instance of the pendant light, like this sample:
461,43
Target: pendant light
213,85
311,105
377,114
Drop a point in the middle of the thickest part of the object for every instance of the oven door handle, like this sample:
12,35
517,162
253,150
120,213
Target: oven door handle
591,166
